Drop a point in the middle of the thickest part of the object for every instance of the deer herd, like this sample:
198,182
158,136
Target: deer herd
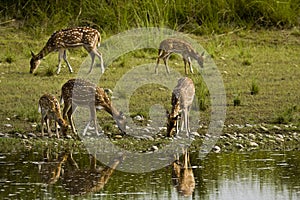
80,92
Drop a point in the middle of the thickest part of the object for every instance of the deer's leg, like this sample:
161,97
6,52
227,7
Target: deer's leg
56,129
190,64
60,56
48,126
166,59
185,61
70,111
42,123
66,60
160,52
94,118
99,55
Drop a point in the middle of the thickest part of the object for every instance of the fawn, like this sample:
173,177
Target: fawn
79,92
174,45
49,107
182,99
66,39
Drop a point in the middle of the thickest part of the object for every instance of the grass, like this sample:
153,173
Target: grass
194,16
274,63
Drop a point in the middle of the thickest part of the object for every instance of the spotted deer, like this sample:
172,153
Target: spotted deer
49,107
79,92
66,39
179,46
182,99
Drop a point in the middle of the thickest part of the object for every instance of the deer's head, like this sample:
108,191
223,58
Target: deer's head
34,63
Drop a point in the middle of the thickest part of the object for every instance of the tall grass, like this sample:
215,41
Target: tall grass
112,16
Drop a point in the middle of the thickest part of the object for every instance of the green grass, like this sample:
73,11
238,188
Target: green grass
194,16
274,64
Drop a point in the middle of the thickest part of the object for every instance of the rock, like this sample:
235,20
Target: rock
249,125
216,149
2,134
31,135
154,148
196,134
276,127
68,136
24,137
138,118
252,136
239,146
162,128
118,137
253,144
8,125
19,135
264,128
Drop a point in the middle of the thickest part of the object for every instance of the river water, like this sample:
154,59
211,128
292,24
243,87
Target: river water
234,175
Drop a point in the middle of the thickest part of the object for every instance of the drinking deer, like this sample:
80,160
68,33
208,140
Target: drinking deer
174,45
79,92
182,99
66,39
49,107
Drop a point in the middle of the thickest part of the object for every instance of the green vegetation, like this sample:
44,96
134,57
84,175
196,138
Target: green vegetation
113,16
246,39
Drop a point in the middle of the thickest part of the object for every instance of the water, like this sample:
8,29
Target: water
237,175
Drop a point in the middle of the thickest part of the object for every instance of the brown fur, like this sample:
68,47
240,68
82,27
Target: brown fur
174,45
69,38
79,92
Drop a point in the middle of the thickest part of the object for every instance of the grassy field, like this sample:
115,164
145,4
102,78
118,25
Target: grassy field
260,70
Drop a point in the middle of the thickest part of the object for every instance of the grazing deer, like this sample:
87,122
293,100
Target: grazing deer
182,99
49,107
79,92
66,39
174,45
183,175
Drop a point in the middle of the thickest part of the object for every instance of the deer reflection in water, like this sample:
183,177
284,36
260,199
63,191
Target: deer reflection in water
50,171
75,180
182,175
92,179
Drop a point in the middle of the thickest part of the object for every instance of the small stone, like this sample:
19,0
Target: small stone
162,128
68,136
239,146
154,148
196,134
118,137
31,135
216,149
252,136
264,128
138,118
8,125
8,119
276,127
19,135
253,144
249,125
2,134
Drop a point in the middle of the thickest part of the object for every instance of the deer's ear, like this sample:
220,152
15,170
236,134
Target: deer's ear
32,54
202,54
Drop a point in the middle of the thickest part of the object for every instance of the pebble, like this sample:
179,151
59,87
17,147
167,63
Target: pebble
118,137
239,146
196,134
154,148
253,144
216,149
138,118
31,135
264,128
276,127
8,125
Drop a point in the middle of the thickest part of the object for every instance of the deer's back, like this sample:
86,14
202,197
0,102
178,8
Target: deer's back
73,37
184,92
49,102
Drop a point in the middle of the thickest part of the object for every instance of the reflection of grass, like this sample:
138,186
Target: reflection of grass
268,51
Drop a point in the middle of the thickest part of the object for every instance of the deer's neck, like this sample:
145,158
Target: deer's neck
44,52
